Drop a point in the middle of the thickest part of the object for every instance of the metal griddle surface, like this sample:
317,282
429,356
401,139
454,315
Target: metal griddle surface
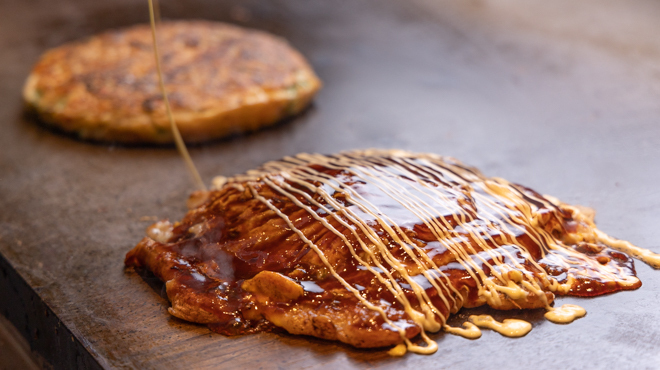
562,97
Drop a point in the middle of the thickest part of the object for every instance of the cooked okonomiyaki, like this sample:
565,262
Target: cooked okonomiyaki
373,248
222,79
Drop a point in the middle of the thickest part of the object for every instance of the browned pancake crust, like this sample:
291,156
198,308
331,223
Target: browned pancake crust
221,79
237,265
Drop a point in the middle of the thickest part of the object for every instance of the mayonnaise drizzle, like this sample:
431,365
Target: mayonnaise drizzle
565,314
509,327
154,16
469,330
444,196
645,255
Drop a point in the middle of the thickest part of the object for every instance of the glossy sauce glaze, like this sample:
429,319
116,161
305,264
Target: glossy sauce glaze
375,248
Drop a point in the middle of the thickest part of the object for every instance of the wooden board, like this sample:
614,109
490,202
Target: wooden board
562,97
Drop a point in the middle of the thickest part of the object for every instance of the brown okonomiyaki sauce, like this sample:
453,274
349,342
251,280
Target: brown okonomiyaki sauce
400,240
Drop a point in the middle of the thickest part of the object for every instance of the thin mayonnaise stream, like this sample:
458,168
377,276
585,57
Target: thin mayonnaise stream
154,15
502,205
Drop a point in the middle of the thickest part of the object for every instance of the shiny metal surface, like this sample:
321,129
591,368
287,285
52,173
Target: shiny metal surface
561,97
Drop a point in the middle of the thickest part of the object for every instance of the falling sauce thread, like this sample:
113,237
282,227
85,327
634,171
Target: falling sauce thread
154,15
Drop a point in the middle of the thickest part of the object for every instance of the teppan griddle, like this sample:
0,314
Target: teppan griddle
560,96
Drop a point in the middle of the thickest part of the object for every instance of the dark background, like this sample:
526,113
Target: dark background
562,97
